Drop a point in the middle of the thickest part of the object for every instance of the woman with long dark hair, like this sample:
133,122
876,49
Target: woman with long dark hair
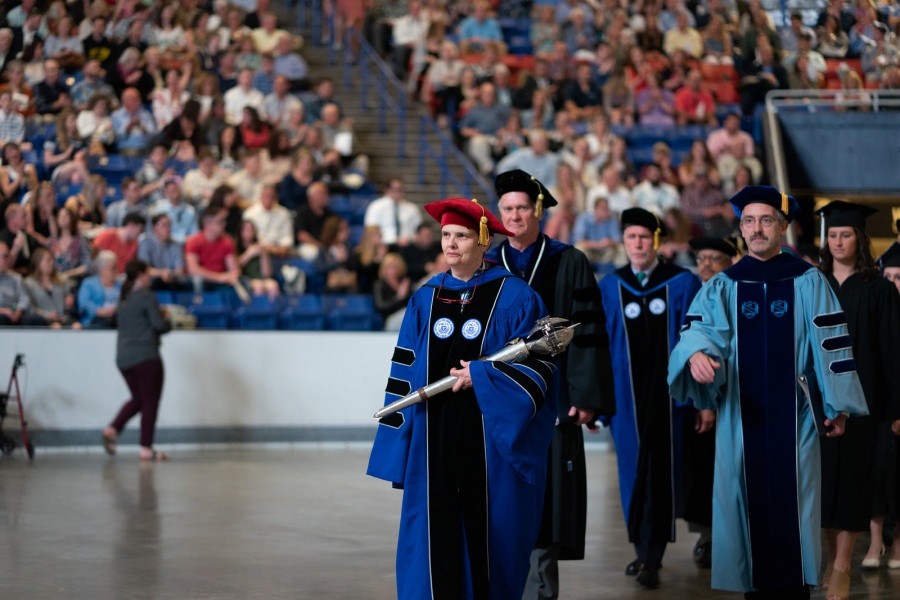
141,322
853,491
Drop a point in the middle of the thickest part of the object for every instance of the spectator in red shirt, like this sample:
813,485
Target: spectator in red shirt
122,241
694,106
210,255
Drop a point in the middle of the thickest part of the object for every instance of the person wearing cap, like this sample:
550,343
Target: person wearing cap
854,494
752,331
564,279
645,303
713,255
889,262
472,460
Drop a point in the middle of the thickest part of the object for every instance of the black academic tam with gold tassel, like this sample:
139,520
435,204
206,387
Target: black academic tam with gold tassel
645,218
518,180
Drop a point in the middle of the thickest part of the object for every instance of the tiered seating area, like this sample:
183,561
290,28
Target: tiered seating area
308,312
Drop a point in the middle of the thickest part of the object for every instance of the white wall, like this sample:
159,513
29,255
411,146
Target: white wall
227,379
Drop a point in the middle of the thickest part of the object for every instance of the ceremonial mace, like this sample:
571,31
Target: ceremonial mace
550,336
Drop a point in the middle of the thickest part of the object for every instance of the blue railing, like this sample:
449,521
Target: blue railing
442,156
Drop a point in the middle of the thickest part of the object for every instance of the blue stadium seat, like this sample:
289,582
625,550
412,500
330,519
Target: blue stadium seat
181,166
640,156
351,312
212,309
165,297
261,313
113,193
66,190
303,313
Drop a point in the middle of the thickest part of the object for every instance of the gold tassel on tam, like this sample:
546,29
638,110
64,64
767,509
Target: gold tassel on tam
656,234
484,236
784,203
539,202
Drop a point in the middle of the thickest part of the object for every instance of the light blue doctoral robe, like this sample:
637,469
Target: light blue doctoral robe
766,322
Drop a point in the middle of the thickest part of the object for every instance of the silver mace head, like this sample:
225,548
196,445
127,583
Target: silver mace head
551,335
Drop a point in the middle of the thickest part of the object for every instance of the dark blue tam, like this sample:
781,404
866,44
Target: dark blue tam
764,194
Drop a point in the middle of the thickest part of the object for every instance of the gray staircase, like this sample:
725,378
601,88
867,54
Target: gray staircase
382,147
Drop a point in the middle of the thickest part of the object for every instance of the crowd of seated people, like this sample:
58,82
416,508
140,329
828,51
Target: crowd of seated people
618,104
187,134
651,63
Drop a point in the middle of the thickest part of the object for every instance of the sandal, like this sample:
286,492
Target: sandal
156,457
109,444
839,586
826,578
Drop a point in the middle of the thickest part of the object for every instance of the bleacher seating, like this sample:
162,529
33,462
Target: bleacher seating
261,313
353,312
303,313
212,309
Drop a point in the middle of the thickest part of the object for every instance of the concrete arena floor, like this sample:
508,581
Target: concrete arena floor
265,522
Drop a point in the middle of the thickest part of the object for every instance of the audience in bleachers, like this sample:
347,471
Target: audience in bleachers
112,113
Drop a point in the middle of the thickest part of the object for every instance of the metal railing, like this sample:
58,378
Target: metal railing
442,156
832,100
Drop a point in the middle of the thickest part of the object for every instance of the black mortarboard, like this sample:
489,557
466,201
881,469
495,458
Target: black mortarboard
712,243
645,218
763,194
891,256
518,180
845,214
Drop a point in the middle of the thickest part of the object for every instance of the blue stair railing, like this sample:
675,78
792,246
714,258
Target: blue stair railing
443,155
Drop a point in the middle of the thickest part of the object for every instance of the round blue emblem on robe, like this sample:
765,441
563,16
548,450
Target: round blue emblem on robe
471,329
657,306
632,310
443,328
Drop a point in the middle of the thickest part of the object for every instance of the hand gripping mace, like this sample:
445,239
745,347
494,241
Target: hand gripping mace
550,336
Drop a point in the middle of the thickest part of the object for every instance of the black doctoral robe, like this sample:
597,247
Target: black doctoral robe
563,278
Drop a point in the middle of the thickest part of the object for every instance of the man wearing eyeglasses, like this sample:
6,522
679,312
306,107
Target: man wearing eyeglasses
471,461
564,279
698,448
645,303
753,330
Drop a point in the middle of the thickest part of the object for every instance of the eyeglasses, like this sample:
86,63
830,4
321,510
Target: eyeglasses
465,297
766,221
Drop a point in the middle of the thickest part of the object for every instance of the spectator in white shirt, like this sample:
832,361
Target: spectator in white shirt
610,187
200,183
280,102
397,217
654,194
243,95
409,32
273,222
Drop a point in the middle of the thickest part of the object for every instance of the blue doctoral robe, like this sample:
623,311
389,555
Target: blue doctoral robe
493,437
647,426
766,323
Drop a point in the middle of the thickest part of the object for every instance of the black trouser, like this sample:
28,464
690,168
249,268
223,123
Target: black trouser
801,593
